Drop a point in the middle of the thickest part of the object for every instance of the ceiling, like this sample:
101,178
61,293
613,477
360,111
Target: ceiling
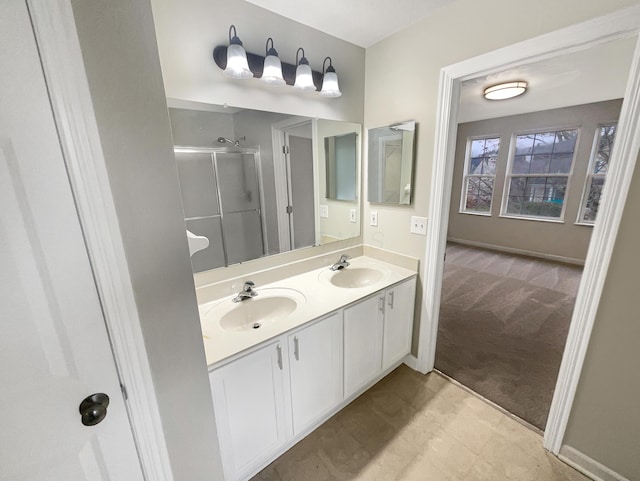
361,22
591,75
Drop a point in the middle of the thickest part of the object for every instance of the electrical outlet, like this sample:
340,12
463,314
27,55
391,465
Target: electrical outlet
374,218
324,211
418,225
352,215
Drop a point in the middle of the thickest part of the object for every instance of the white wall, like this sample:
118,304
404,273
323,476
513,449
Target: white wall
188,30
123,70
197,128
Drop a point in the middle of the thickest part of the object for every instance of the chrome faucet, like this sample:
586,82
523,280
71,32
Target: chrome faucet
247,292
341,264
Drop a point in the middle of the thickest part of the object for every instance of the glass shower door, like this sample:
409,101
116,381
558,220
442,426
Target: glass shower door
239,192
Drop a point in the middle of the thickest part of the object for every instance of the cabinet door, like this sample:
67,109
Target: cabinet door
362,342
248,397
315,363
398,322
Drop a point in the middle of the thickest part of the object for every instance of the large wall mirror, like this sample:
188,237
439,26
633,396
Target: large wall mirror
256,183
391,163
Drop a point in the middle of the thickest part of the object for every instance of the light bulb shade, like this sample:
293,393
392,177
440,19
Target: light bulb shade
304,78
330,86
237,65
505,90
272,71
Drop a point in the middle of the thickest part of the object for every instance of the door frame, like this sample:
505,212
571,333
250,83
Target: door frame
623,23
55,32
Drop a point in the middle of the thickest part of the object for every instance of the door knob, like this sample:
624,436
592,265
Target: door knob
93,409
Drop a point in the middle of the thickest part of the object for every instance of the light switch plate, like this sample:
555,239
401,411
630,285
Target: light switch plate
324,211
374,218
352,215
418,225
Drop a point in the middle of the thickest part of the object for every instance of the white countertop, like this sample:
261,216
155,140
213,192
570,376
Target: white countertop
316,297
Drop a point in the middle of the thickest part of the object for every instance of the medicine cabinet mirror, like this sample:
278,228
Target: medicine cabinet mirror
391,163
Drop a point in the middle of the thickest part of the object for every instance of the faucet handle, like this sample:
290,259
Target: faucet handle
344,257
248,285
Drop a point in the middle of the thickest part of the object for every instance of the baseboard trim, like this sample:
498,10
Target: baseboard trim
588,466
523,252
411,361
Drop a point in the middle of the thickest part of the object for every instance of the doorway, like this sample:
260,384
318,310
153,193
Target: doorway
293,154
621,24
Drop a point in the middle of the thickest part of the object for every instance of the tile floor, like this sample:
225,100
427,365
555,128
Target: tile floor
411,427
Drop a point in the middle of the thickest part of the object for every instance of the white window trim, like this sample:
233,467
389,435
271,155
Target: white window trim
466,175
509,174
590,175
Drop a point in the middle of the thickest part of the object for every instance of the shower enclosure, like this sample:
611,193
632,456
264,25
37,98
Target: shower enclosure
221,198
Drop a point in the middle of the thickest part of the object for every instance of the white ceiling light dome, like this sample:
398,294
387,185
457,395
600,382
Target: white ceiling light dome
505,90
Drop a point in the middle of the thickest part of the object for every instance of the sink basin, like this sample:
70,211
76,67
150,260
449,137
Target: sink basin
269,306
353,277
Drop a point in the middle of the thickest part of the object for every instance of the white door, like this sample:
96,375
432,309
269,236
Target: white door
248,398
362,342
315,360
398,322
54,349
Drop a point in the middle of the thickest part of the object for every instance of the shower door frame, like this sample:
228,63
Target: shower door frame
212,151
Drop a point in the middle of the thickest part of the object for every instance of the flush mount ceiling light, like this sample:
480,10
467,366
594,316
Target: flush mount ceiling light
505,90
237,65
304,77
272,70
330,86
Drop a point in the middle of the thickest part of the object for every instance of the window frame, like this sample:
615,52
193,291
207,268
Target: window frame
590,175
466,175
509,174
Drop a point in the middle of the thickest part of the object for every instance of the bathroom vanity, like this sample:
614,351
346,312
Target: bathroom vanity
283,362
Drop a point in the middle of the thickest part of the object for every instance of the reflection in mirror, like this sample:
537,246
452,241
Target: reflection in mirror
340,162
391,163
253,182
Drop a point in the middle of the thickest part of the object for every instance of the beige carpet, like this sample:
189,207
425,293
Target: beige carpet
503,325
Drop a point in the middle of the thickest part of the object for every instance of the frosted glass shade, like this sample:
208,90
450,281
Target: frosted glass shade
304,78
505,91
237,66
272,72
330,86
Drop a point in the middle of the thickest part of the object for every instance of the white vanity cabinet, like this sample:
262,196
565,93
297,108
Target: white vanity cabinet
270,397
363,328
398,322
315,368
248,396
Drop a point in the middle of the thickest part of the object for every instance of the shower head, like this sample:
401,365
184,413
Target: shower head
223,140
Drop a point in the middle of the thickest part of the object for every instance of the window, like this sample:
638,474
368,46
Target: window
479,175
598,168
539,172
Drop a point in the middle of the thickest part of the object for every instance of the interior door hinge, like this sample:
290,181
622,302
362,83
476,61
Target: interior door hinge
124,392
289,209
285,149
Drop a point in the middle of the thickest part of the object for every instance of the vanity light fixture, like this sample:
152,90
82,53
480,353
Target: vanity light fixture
505,90
304,77
237,65
330,86
240,64
272,70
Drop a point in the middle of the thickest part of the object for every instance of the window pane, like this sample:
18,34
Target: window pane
565,141
540,164
605,144
593,200
484,154
561,163
543,143
479,191
514,205
517,186
521,164
524,144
